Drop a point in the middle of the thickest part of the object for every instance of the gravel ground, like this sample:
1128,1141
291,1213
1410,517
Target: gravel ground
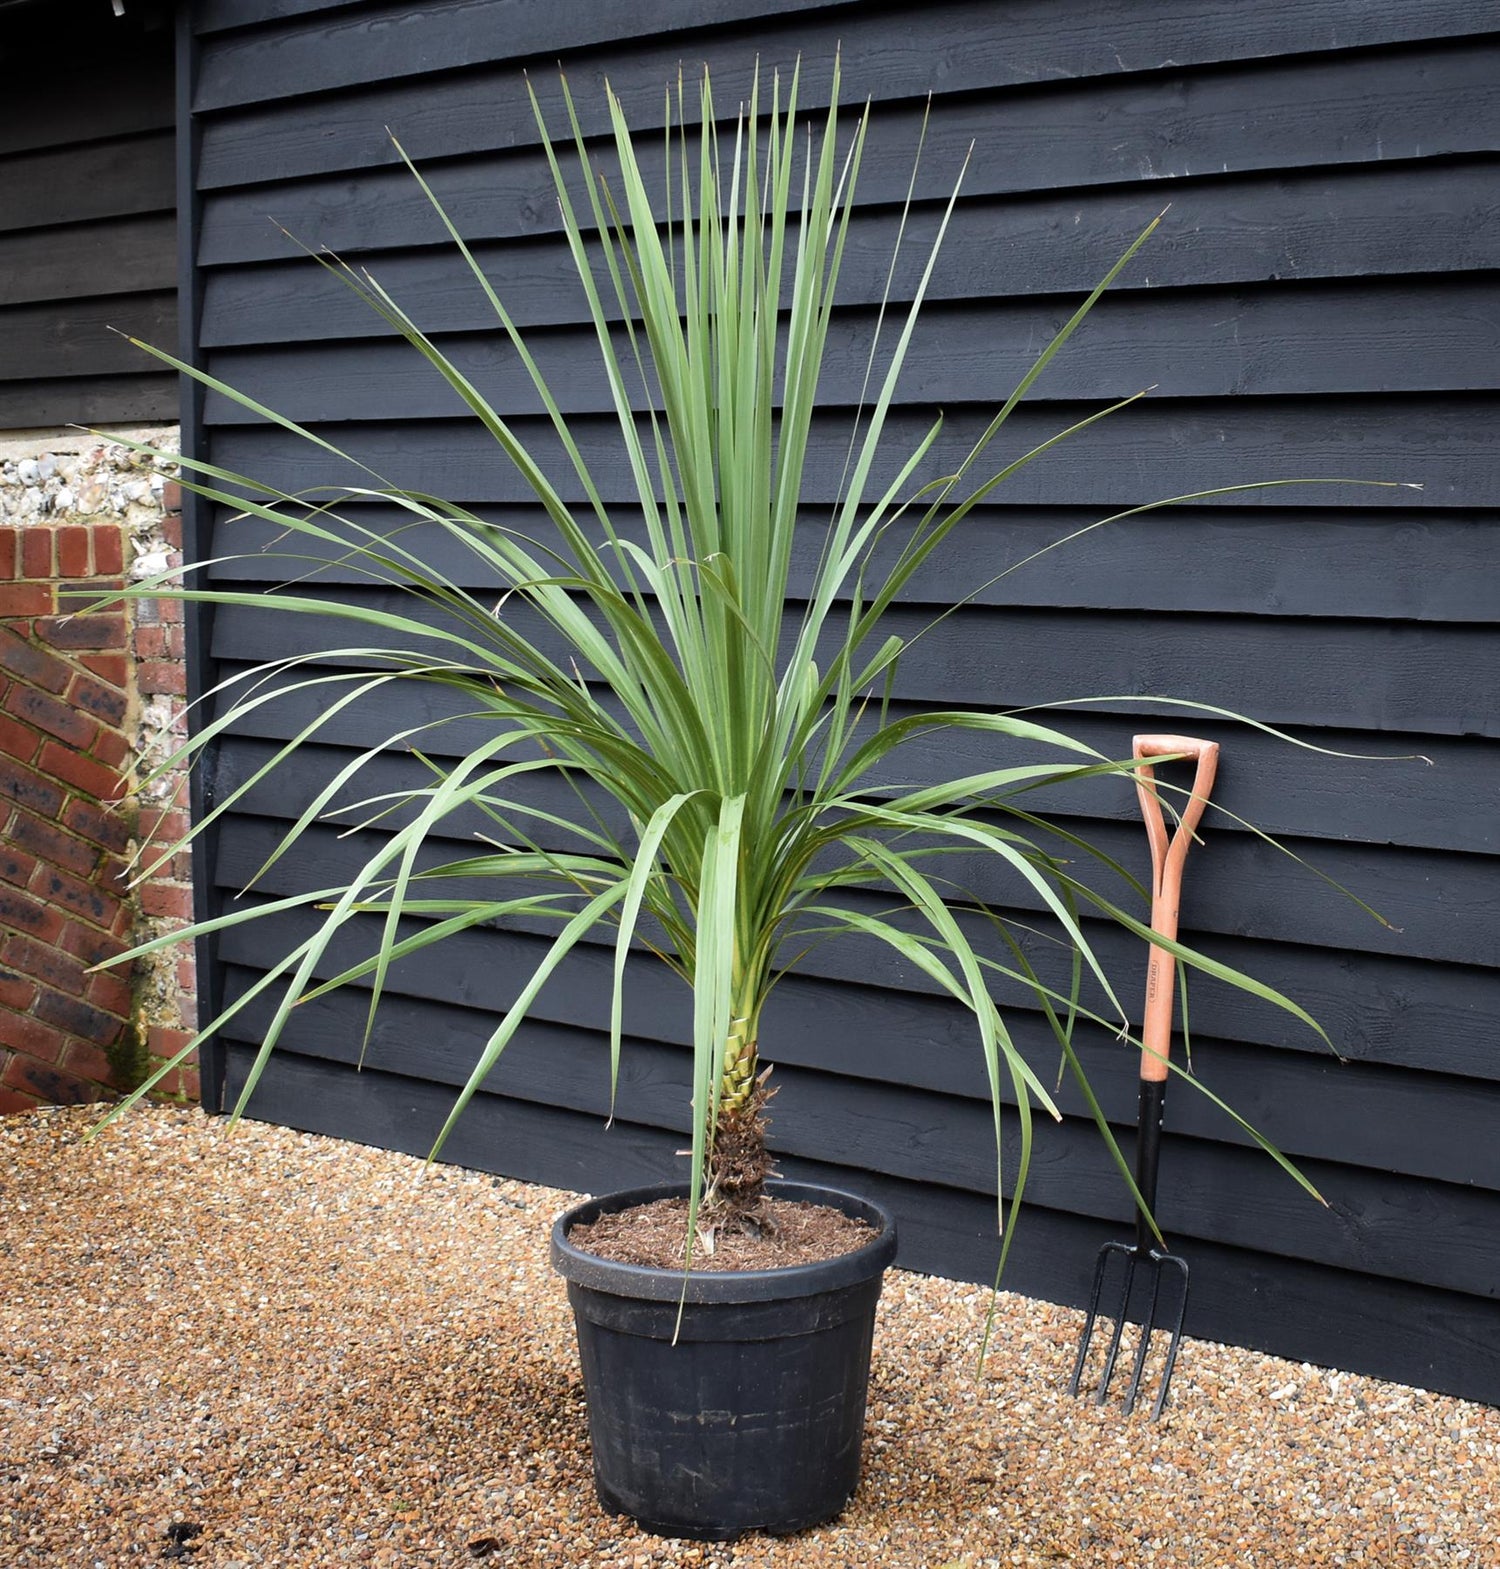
315,1357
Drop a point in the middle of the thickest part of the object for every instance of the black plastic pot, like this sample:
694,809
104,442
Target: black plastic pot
754,1418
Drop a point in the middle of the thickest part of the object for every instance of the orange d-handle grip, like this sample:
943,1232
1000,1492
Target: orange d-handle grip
1167,857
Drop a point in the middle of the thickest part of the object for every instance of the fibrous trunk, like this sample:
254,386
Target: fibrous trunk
739,1163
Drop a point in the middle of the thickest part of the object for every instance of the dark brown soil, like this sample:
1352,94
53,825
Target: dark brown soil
656,1234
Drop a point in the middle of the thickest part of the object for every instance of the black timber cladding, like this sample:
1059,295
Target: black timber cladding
87,214
1319,302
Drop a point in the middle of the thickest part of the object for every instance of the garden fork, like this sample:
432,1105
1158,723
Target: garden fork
1167,857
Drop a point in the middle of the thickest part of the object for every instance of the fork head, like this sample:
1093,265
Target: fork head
1157,1263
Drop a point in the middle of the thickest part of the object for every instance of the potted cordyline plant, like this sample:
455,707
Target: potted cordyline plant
739,724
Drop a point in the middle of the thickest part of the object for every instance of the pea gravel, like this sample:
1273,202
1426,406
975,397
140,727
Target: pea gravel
260,1347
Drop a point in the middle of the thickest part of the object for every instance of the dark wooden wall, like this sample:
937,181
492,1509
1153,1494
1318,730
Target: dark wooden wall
87,213
1320,302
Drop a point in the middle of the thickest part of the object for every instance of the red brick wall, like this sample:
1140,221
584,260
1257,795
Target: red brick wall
69,698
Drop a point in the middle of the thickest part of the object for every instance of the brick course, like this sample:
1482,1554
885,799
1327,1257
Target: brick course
73,682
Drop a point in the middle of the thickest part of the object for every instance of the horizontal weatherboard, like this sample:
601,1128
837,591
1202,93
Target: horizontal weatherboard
1316,303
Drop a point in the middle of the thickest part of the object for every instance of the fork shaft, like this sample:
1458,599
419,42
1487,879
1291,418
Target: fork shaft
1148,1156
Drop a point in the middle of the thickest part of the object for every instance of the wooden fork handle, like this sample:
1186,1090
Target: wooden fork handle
1168,853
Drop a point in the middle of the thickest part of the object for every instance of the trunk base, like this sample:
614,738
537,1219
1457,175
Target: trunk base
739,1168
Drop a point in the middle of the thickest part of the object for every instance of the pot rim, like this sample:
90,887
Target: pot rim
588,1270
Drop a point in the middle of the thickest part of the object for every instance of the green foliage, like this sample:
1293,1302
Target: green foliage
742,727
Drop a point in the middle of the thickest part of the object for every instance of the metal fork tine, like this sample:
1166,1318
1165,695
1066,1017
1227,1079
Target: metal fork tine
1144,1347
1176,1339
1088,1325
1120,1317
